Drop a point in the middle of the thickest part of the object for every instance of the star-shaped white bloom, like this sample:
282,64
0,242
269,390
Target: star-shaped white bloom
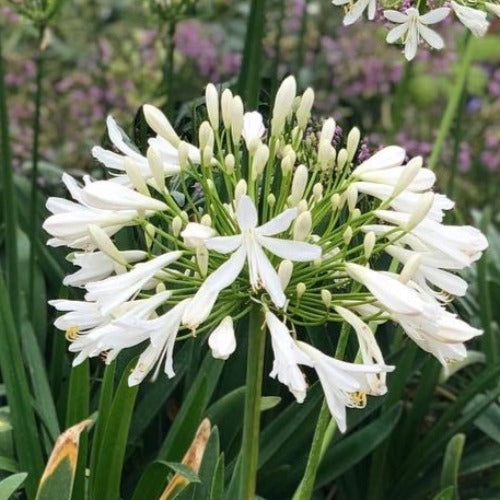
248,247
356,10
413,26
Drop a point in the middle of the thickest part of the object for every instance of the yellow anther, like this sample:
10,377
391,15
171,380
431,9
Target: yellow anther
72,333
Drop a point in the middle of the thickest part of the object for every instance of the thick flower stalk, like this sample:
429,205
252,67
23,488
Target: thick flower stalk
262,214
413,19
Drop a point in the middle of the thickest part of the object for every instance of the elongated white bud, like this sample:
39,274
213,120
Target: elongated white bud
222,340
355,213
304,109
422,210
347,236
237,113
229,163
271,200
302,206
149,234
240,190
352,142
326,297
327,131
208,154
283,104
301,289
351,195
104,243
410,268
134,174
226,108
160,124
302,226
369,243
156,166
318,191
202,259
342,158
212,100
259,161
326,155
299,184
183,154
335,200
407,175
206,136
288,162
285,271
176,225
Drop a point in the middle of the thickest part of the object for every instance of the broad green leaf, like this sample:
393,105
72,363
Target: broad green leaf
485,457
8,464
77,407
108,471
451,463
152,482
217,488
10,484
58,478
445,494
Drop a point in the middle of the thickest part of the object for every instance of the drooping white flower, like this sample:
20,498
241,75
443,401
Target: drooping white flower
287,357
248,246
413,27
345,384
96,266
253,127
355,10
222,340
393,295
113,291
162,332
474,19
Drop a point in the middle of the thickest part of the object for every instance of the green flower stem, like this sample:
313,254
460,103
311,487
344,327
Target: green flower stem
453,103
251,422
323,435
9,203
34,170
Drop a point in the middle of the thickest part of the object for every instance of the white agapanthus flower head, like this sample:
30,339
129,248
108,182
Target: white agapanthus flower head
262,213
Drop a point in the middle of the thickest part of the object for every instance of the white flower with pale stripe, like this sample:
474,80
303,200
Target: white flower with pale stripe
248,246
414,27
355,10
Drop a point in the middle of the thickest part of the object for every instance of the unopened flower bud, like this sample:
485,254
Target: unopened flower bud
351,195
184,215
318,191
211,185
206,220
271,200
160,287
422,210
287,163
176,225
135,176
327,131
304,110
410,268
326,155
183,154
355,213
226,107
326,297
302,206
160,124
285,270
156,166
149,234
299,184
352,143
240,190
283,104
347,236
202,259
253,144
237,112
259,161
302,226
212,100
335,200
208,154
205,136
369,243
229,162
104,243
342,158
409,173
301,289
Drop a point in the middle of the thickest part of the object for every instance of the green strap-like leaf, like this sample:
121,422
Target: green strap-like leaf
10,484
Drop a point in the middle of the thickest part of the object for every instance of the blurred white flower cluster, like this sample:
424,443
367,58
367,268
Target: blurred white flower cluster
186,239
413,26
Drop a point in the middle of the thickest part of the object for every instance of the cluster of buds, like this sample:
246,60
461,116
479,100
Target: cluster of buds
188,239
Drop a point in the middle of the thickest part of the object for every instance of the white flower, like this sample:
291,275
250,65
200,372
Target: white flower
120,331
344,384
287,357
79,315
222,341
413,27
393,295
97,266
162,332
473,19
388,157
370,350
195,234
253,127
248,246
355,10
113,291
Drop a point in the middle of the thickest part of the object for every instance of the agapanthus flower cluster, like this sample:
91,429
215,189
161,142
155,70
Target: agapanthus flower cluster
413,21
267,216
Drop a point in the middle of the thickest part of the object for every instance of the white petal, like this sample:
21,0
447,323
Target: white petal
224,244
391,156
355,12
118,138
434,16
411,43
246,214
297,251
395,16
396,33
222,340
197,234
269,277
431,37
253,126
279,223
